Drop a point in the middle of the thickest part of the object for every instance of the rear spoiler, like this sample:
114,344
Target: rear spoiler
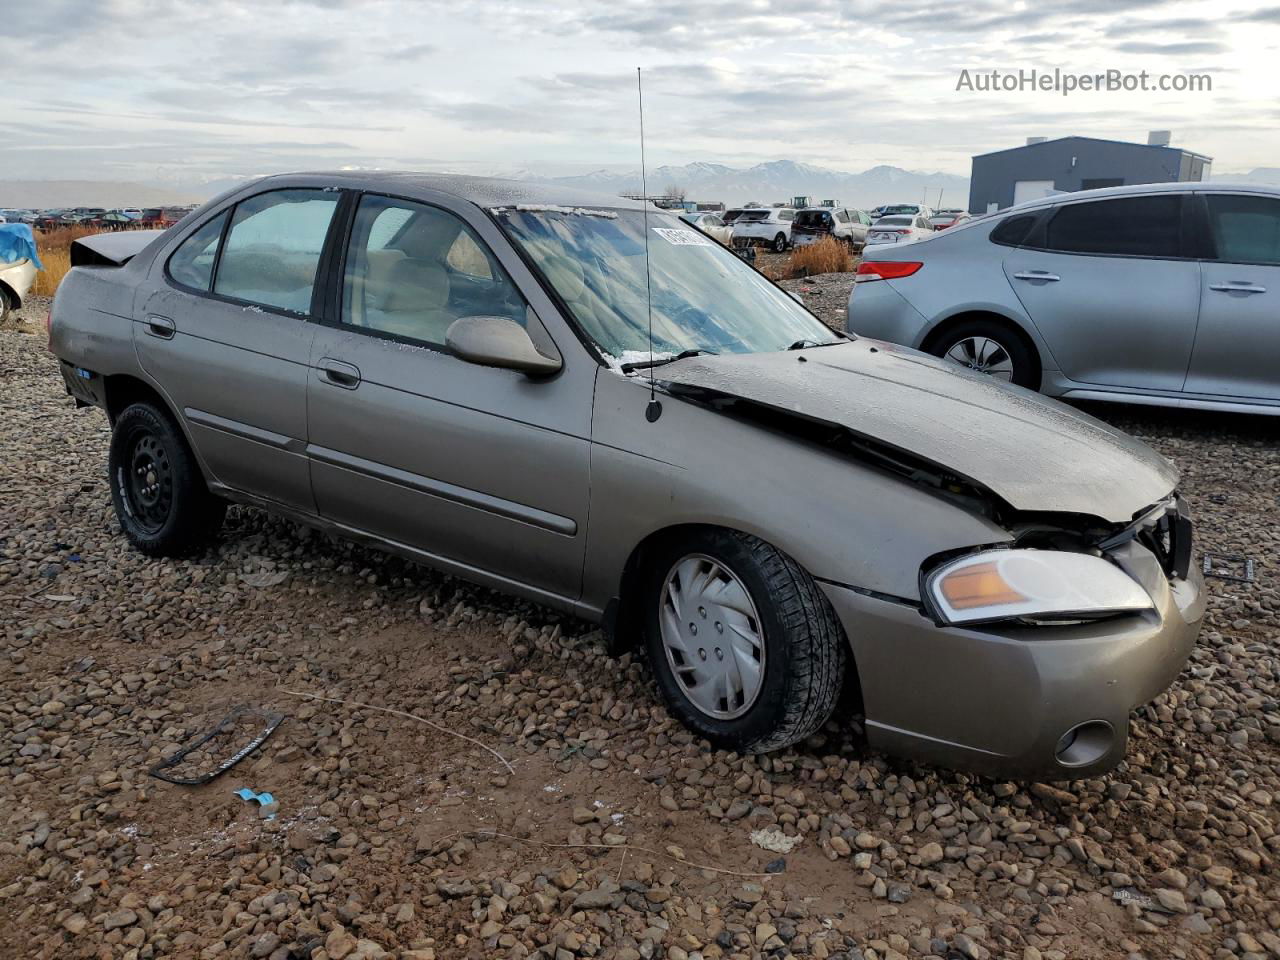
110,249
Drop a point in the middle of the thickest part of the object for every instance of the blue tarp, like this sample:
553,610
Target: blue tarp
17,242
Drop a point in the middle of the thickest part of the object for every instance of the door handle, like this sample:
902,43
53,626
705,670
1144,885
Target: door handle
1037,275
340,374
161,327
1237,286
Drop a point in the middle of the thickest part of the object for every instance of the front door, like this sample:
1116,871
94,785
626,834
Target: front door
227,338
1108,288
1237,351
483,469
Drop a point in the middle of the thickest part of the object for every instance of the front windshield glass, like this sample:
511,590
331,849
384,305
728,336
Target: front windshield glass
704,297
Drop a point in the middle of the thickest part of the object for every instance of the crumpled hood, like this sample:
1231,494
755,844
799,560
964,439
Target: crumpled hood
1034,453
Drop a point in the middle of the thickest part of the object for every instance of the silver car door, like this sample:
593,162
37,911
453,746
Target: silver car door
484,470
1237,351
226,334
1106,284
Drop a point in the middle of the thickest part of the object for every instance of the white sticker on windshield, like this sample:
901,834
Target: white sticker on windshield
682,238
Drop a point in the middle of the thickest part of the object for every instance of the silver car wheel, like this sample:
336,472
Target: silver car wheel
712,636
983,355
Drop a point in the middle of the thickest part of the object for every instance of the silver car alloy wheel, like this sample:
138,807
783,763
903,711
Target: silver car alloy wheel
712,636
983,355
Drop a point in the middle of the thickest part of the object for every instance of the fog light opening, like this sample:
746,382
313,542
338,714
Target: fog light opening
1085,743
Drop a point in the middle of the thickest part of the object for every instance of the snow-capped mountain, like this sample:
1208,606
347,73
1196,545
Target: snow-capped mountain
780,180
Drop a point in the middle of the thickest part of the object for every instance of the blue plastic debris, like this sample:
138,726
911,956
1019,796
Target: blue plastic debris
263,799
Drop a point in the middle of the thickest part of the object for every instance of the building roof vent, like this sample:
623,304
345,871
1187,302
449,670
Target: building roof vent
1159,138
1033,140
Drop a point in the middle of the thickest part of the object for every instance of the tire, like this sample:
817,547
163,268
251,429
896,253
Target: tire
992,348
802,647
780,243
6,305
159,495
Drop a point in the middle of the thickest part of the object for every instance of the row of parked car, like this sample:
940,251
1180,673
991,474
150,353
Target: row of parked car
121,218
781,228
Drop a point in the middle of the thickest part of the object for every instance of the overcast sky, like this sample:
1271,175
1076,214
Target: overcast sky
172,91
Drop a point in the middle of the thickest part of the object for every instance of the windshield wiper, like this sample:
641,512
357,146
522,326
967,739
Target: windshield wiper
660,361
806,344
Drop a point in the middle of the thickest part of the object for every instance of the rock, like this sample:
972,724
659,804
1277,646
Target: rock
265,945
75,923
930,854
119,918
1172,900
339,943
594,900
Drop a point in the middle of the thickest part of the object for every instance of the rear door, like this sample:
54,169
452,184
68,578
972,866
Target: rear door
227,336
1108,286
483,469
1237,348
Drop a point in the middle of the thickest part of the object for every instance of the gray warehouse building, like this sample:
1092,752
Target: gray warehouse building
1043,167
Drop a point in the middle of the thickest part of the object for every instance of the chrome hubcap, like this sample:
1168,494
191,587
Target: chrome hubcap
983,355
712,637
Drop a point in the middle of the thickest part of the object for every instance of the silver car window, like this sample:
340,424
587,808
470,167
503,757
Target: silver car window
413,269
273,248
192,263
1246,229
704,297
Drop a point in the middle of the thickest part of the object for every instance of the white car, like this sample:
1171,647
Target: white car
766,225
899,228
710,224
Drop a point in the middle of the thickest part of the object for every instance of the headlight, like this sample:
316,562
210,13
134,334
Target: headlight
1049,584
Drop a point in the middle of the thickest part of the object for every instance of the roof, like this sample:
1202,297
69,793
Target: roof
1123,143
482,191
1186,186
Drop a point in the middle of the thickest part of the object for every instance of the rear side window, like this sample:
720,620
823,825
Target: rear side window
273,248
1245,229
192,263
1013,231
1126,227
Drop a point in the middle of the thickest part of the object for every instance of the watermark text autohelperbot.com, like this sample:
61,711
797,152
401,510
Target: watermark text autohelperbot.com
1066,83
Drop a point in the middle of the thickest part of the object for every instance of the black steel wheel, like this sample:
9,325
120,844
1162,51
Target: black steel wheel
158,492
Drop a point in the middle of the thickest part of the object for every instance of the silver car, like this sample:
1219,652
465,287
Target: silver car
1165,294
586,403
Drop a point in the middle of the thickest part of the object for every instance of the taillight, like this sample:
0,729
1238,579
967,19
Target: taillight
886,269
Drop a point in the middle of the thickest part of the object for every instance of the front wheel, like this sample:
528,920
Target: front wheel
746,650
780,243
992,349
157,490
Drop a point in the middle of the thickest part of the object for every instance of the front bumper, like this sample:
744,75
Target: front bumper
997,701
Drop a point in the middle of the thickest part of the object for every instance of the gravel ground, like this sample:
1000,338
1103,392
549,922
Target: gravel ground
604,830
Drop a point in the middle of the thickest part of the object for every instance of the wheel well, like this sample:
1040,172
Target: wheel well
121,390
949,324
624,616
7,293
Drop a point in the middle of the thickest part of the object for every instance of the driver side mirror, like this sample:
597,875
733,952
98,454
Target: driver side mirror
498,342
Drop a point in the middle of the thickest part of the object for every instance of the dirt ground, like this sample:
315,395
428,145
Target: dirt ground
532,797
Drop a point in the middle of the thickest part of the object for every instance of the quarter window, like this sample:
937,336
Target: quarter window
192,263
1245,229
1126,227
273,248
414,279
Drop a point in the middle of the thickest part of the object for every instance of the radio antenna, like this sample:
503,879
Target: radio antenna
654,410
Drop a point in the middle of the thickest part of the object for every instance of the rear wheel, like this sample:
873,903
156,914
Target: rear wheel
991,348
746,650
780,243
157,490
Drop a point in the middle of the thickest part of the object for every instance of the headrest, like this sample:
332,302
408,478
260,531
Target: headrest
416,285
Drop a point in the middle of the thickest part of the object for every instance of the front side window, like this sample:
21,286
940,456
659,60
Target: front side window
192,263
1127,227
273,248
413,269
1245,229
704,297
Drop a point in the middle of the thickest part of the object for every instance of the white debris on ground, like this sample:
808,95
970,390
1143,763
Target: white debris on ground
774,840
